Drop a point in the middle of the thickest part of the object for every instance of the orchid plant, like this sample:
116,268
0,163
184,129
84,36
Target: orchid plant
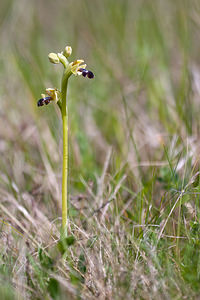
76,67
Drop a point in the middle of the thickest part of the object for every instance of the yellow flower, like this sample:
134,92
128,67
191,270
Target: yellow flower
76,65
54,94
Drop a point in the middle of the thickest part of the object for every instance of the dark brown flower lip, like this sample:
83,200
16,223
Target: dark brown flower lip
86,73
45,100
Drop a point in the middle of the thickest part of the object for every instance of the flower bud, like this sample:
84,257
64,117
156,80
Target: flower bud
53,57
63,59
68,51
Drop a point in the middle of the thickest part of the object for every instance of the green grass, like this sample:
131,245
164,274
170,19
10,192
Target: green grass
134,151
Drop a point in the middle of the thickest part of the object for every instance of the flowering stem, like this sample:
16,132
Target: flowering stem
77,68
65,151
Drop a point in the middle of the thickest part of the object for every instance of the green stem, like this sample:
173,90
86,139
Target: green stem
65,151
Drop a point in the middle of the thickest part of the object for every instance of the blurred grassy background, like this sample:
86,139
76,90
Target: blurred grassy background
134,148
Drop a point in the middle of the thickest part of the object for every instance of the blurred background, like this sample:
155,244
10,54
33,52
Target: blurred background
138,120
145,55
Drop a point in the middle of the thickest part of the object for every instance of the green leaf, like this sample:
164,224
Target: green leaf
82,263
45,260
66,242
53,288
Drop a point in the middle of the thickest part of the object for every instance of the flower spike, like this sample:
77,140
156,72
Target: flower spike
76,67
